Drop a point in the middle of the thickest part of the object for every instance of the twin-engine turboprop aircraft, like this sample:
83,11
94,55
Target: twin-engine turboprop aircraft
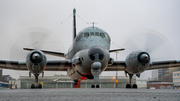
87,58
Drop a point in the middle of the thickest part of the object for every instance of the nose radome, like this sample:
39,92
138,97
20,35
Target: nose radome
96,65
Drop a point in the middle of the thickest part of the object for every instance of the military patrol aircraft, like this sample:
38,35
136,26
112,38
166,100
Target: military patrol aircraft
87,58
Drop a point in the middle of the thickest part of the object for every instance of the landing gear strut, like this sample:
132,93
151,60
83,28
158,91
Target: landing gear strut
95,73
130,83
33,86
75,82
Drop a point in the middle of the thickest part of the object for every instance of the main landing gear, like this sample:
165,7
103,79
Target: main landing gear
36,86
130,81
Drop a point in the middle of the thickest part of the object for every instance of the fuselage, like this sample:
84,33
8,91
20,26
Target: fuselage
89,39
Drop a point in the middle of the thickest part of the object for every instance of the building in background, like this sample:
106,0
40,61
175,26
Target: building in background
6,78
176,79
159,85
0,74
155,75
141,84
63,81
166,74
166,77
7,82
160,74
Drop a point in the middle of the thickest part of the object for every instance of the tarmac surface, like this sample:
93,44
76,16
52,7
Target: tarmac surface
90,94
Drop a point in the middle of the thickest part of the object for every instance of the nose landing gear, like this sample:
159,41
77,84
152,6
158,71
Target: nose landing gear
93,86
95,71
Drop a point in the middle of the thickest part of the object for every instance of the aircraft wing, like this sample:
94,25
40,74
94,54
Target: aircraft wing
14,65
48,52
52,65
116,66
58,65
120,65
164,64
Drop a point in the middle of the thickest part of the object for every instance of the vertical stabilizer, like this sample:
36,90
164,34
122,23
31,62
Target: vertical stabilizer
74,23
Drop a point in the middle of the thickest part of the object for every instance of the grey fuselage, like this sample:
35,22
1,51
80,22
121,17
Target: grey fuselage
79,52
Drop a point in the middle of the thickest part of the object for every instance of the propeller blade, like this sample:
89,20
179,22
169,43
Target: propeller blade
150,41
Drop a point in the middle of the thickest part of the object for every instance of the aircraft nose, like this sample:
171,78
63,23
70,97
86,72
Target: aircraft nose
96,53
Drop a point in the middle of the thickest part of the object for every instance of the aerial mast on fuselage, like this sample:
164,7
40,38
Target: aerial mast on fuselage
74,23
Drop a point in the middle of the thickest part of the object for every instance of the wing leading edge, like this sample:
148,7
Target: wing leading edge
120,65
14,65
52,65
164,64
58,65
116,66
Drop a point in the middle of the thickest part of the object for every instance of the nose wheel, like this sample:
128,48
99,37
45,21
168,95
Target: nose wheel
95,73
93,86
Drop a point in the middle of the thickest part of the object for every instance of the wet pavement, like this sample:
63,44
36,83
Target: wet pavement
88,94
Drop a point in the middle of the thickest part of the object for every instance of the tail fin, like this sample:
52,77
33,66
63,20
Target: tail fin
74,23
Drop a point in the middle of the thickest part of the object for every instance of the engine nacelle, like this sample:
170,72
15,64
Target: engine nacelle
36,61
137,62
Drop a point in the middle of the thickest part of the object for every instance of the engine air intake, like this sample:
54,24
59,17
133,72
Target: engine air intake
96,53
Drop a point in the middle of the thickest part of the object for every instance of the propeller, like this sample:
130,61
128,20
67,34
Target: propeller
36,38
150,41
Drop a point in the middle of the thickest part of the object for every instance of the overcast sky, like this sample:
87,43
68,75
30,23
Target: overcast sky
23,22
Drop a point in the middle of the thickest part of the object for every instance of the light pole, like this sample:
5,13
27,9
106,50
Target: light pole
116,71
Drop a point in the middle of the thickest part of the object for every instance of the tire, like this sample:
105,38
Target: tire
33,86
40,86
128,86
75,82
92,86
97,86
135,86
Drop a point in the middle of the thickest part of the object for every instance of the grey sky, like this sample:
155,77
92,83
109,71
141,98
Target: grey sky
20,20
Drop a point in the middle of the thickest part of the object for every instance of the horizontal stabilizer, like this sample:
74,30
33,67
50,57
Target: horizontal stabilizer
48,52
115,50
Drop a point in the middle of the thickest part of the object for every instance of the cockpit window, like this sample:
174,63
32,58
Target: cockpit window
102,35
77,38
86,34
91,33
107,36
80,36
96,33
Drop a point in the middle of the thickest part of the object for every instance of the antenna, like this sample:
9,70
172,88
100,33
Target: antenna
74,23
92,23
